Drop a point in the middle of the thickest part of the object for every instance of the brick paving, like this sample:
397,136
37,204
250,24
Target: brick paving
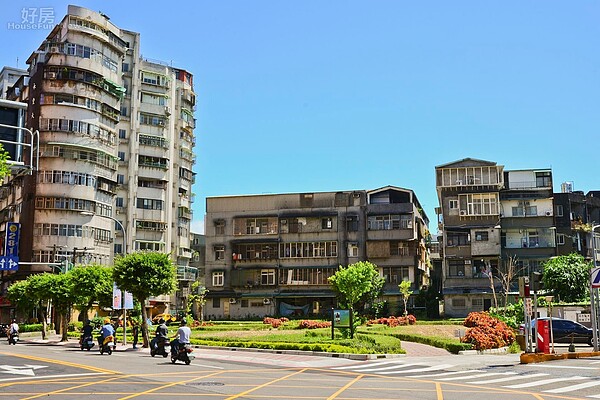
423,350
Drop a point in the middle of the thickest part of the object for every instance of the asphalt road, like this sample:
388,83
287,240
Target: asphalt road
62,371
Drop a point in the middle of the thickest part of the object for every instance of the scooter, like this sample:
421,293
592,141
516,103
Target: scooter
86,342
162,348
107,345
13,338
185,353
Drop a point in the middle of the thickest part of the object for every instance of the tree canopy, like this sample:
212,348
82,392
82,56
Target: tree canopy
357,283
567,277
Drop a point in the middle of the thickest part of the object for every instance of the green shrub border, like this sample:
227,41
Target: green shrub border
442,343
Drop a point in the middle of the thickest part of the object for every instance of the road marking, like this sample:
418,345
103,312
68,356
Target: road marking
342,389
263,385
561,367
51,376
545,381
21,370
443,374
371,364
573,387
427,369
385,368
168,385
510,378
52,361
456,378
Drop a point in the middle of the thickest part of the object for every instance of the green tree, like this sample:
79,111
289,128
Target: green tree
57,289
197,298
19,295
357,284
567,277
404,288
4,167
92,283
145,274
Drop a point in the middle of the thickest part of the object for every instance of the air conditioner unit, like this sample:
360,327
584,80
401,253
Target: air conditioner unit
463,212
168,110
232,300
266,301
467,262
51,75
54,49
548,213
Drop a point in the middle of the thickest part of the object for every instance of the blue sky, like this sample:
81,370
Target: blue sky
302,96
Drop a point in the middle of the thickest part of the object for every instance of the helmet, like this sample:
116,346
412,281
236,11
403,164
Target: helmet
107,320
183,322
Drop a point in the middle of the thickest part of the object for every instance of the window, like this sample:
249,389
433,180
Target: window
326,223
399,249
244,303
352,224
352,250
267,277
559,210
122,134
119,202
219,252
219,227
216,303
534,239
150,204
479,204
560,239
456,268
481,236
477,303
459,303
453,204
125,67
458,239
120,179
218,278
543,179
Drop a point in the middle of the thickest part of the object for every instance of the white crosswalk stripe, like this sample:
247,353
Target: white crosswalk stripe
444,374
573,387
371,364
484,374
378,368
426,369
509,378
544,382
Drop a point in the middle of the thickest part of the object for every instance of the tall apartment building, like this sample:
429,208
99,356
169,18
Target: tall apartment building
116,150
488,218
273,254
8,77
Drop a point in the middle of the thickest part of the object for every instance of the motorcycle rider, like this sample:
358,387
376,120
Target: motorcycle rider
86,331
13,329
182,337
106,331
162,333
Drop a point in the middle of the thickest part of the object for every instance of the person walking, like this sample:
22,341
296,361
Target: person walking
135,330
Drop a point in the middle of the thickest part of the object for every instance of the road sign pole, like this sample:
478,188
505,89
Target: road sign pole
593,310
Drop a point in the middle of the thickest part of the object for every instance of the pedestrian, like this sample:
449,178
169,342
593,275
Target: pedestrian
135,332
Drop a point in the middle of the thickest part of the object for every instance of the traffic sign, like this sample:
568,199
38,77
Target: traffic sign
528,308
595,277
9,263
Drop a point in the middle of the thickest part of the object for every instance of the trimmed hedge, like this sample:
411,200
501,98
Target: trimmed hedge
443,343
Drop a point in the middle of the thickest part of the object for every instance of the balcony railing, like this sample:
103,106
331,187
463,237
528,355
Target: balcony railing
185,273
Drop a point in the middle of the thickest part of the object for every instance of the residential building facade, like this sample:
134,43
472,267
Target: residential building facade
273,254
116,151
491,221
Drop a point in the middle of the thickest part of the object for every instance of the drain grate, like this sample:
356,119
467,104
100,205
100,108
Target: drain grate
205,384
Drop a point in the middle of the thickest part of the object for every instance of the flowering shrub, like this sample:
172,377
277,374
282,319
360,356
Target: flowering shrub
309,324
197,323
275,322
486,332
394,321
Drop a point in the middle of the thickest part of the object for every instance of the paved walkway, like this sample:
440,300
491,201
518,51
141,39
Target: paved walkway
423,350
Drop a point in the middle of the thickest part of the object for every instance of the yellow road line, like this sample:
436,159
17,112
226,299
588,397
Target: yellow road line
438,390
346,386
74,387
265,384
66,363
169,385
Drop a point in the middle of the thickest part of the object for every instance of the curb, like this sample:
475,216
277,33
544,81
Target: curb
350,356
501,350
529,358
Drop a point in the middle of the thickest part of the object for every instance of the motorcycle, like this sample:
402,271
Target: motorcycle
13,338
185,353
161,348
107,345
86,342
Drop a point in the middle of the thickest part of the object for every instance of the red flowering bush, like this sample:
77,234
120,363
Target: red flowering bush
486,332
309,324
275,322
394,321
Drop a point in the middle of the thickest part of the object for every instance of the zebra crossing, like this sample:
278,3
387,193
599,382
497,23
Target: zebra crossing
542,381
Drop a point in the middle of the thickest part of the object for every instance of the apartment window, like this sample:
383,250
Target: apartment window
119,202
244,303
218,278
459,303
125,67
543,179
124,111
326,223
216,302
559,210
477,303
481,236
352,224
457,239
122,134
399,249
219,252
560,239
150,204
267,277
120,179
219,227
456,268
118,248
453,204
352,250
480,204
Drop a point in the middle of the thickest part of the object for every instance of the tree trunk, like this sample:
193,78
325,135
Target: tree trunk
144,323
65,326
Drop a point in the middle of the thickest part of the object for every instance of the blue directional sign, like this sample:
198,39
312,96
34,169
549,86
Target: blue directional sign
595,277
9,263
11,247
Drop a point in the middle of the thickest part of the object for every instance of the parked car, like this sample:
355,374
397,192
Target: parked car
565,331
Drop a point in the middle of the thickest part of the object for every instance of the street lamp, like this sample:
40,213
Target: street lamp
91,214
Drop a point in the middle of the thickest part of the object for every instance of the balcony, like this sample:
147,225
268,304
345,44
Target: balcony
185,273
